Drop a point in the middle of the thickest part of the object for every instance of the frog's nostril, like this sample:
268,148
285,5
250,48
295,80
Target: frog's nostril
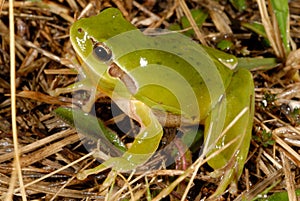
79,30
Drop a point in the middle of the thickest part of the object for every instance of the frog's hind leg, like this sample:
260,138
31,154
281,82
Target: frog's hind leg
143,147
230,161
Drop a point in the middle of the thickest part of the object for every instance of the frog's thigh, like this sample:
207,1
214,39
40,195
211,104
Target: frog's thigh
239,95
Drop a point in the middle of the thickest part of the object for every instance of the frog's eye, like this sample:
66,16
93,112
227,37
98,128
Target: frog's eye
102,52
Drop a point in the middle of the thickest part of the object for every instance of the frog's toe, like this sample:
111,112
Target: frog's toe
81,175
58,91
52,92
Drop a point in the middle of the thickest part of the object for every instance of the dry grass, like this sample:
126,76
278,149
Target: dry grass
49,151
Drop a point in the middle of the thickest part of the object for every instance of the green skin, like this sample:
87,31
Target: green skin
168,73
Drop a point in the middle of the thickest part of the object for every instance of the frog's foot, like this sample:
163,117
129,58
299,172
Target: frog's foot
228,176
84,85
119,164
58,91
85,173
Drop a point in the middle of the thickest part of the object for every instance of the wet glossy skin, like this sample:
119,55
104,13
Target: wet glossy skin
169,73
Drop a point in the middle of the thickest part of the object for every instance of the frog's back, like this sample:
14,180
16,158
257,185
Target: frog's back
172,73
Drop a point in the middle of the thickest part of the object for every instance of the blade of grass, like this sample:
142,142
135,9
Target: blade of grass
13,106
239,4
268,27
280,9
276,24
192,22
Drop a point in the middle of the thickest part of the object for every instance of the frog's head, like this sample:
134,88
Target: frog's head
86,33
91,39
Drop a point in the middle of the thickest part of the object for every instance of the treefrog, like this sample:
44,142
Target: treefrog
155,78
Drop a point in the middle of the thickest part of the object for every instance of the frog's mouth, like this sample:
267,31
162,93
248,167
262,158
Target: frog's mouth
115,71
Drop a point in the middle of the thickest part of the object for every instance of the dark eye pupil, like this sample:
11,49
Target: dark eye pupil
102,53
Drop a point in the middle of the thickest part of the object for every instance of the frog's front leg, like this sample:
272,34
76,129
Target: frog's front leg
143,147
230,162
84,85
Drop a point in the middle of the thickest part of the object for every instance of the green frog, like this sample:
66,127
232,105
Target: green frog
153,77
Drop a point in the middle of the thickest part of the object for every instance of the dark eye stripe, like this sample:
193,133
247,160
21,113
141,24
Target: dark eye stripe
117,72
102,52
